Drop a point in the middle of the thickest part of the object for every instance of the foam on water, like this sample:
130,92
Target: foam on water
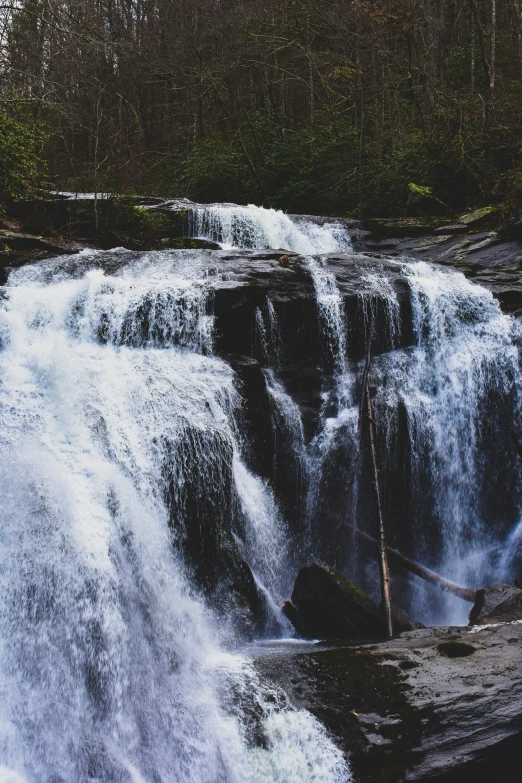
234,226
110,662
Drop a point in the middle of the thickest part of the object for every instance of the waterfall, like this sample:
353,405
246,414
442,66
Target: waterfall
143,539
114,413
330,305
457,390
459,386
255,227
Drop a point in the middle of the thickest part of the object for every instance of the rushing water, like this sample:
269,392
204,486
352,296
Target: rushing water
124,468
254,227
111,667
458,388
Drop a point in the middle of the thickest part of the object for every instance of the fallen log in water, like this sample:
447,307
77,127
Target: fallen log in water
397,559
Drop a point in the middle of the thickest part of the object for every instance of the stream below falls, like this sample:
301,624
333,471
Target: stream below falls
177,431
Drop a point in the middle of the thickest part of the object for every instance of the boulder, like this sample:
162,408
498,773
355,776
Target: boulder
326,605
496,604
479,218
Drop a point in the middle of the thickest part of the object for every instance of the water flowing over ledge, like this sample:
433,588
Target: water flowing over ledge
254,227
176,431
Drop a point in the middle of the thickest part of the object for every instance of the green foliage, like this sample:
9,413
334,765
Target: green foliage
217,171
145,220
124,222
326,170
21,166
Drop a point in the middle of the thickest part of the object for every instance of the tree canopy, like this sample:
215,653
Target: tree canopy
329,106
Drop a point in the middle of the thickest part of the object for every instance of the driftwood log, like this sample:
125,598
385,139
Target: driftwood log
401,561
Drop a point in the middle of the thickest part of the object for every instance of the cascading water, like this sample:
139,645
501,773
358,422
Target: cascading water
110,661
456,389
254,227
138,545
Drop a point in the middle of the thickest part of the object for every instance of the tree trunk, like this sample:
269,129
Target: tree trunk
493,47
383,552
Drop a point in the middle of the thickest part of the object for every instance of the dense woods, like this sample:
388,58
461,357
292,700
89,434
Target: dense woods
329,106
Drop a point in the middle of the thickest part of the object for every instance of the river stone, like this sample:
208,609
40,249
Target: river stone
326,605
496,603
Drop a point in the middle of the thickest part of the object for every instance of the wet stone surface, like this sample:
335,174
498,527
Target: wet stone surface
412,708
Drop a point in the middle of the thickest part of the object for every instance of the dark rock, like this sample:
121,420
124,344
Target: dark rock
400,228
452,229
495,604
402,622
17,249
405,710
188,243
480,218
326,605
12,241
236,596
207,523
511,228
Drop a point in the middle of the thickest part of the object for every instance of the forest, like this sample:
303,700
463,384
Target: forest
312,106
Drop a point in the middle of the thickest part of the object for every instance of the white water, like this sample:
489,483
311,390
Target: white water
331,312
464,352
464,355
113,669
287,422
234,226
111,664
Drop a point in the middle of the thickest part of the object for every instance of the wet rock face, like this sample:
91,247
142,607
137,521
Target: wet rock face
204,517
326,605
441,704
266,315
495,604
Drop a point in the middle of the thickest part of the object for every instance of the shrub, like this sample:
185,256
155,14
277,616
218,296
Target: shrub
21,167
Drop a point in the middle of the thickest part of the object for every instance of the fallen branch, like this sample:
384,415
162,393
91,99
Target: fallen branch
365,408
396,559
383,550
354,463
